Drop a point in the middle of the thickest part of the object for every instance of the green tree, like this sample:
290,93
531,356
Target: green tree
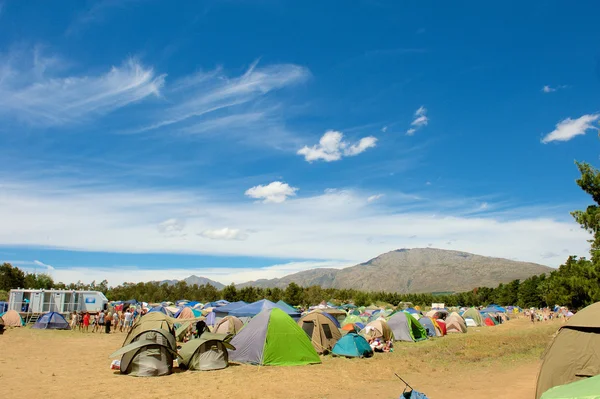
293,294
11,277
229,293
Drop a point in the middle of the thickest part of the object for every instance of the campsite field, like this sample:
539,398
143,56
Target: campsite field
487,362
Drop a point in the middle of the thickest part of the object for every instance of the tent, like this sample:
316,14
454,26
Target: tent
284,306
211,319
412,311
256,307
455,324
588,388
415,316
377,329
150,353
322,332
228,325
1,326
51,321
474,315
161,309
209,352
406,328
338,314
222,311
188,313
489,321
441,324
429,326
351,327
3,307
150,321
352,345
352,319
573,353
273,338
437,314
12,319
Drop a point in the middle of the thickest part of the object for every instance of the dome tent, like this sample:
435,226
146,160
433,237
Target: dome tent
406,328
209,352
322,332
51,321
273,338
12,319
228,325
352,345
572,354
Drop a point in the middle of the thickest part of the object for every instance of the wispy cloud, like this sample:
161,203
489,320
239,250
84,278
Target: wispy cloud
275,192
550,89
33,91
96,13
569,128
211,93
419,121
225,234
332,147
42,264
375,197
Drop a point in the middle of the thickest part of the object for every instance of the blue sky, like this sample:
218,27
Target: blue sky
243,140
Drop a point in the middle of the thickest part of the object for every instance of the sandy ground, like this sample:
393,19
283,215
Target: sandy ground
67,364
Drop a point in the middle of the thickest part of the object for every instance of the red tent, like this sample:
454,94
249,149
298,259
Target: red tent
489,322
442,325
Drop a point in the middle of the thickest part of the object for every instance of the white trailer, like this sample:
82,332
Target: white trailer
32,301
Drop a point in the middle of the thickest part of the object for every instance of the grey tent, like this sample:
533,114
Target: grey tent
209,352
150,353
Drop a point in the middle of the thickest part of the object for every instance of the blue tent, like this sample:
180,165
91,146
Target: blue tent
211,319
52,321
496,308
3,307
330,317
255,308
352,345
225,309
215,304
286,307
360,325
161,309
428,325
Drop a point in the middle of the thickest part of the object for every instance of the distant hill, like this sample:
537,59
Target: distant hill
413,271
191,280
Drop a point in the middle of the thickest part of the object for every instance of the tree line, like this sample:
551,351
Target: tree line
574,284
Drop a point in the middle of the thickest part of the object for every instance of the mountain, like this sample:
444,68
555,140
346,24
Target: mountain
191,280
413,271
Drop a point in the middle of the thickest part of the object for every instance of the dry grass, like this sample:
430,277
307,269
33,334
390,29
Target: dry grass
69,364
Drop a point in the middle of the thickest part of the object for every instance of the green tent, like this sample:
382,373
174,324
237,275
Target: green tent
352,319
588,388
273,338
209,352
474,315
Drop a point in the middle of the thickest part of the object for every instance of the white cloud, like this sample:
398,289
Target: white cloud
375,197
549,89
276,192
569,128
171,226
225,234
420,121
38,263
32,89
334,225
384,129
332,147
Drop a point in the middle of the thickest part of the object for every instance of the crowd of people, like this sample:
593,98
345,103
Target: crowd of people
546,314
104,321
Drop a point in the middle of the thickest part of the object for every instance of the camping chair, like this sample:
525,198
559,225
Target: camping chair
409,392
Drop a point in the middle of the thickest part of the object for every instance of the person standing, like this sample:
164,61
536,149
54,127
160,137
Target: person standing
86,322
101,320
73,320
127,320
107,322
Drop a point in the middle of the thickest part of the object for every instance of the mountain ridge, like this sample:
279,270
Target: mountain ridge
414,270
